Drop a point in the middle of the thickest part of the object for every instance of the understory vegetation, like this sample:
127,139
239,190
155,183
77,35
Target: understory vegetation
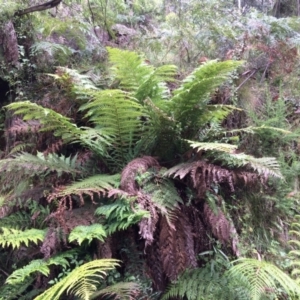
149,150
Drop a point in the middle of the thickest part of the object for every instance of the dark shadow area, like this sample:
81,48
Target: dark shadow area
4,92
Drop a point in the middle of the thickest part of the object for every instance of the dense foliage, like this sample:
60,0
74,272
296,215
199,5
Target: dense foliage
149,150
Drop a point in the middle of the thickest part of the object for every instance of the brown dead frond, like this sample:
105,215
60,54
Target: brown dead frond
222,228
18,126
147,225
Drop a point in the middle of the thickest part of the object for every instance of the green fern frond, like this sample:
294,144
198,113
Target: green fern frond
120,290
154,86
15,291
221,147
262,277
129,68
97,184
265,166
60,126
253,129
17,220
217,113
199,284
32,165
82,281
163,194
190,99
80,81
38,265
138,77
21,148
118,115
51,120
81,233
50,48
14,237
120,215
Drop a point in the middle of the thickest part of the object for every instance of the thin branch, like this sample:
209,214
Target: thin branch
40,7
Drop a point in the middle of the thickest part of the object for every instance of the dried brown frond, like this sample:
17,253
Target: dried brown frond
51,243
136,166
18,126
222,228
154,262
184,229
176,246
147,225
200,233
167,249
54,147
202,175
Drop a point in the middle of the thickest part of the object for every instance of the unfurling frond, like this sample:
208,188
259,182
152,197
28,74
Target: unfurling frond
97,184
39,164
14,237
81,233
82,281
38,265
120,290
262,277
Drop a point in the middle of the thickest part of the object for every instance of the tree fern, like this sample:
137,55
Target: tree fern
82,233
82,281
14,237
